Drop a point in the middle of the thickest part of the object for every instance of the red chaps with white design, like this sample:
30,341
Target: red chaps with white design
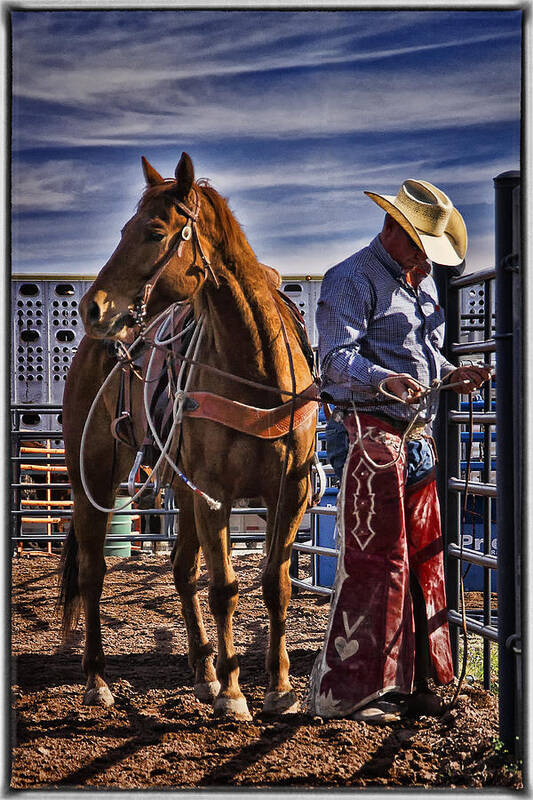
390,540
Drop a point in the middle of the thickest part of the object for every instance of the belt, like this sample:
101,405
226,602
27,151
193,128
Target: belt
417,432
347,408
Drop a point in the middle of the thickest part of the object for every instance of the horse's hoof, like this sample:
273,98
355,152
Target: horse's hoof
100,696
206,692
281,703
234,707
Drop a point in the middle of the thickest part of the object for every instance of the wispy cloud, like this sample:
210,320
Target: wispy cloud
320,106
298,75
76,185
290,115
101,53
101,75
58,185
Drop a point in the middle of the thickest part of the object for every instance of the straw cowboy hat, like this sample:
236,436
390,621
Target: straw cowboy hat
429,217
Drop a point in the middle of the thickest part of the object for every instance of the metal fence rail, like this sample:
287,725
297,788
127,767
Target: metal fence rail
499,424
483,488
510,457
53,511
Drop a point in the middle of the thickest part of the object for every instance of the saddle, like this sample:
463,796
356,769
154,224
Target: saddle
265,423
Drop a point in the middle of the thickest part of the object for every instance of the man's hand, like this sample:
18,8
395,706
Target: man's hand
473,375
405,388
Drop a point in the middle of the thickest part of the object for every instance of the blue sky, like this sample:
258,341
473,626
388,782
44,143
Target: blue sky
290,115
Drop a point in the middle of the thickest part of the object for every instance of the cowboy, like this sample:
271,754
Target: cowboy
381,330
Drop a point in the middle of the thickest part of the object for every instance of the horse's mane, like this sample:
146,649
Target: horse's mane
234,244
255,286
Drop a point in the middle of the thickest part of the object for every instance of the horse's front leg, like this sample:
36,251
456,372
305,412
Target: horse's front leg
186,567
280,697
212,527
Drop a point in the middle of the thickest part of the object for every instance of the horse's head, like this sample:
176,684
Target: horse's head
161,239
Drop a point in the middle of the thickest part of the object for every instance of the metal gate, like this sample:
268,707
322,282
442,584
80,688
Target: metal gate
484,321
46,331
41,501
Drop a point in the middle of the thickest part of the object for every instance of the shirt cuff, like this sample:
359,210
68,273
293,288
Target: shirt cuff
446,368
378,374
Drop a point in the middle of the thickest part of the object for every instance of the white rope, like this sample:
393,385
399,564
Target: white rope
177,410
83,476
214,504
165,342
425,400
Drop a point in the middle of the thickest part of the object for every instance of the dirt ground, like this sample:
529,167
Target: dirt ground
158,735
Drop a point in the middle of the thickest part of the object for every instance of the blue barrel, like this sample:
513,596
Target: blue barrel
120,525
325,537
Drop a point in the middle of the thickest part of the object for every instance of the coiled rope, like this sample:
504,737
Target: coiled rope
165,315
428,393
178,404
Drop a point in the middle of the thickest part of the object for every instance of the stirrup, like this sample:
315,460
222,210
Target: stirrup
151,487
316,466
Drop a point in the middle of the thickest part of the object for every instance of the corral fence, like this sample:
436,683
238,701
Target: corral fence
46,330
495,298
484,323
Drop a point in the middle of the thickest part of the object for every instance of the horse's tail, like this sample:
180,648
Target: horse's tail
69,601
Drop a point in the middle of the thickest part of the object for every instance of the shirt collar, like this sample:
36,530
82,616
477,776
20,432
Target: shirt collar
385,258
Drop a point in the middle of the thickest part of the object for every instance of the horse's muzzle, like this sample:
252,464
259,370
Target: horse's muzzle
101,321
98,328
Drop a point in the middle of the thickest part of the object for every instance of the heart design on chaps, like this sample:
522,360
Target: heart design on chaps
346,648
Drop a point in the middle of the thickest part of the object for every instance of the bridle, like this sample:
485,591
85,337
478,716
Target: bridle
189,232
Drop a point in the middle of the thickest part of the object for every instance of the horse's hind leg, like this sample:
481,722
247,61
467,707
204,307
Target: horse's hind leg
92,569
280,697
85,567
186,567
212,529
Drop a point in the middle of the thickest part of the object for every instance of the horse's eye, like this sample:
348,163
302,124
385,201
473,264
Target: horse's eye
155,236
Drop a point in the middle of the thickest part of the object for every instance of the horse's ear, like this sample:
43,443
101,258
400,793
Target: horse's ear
184,175
151,176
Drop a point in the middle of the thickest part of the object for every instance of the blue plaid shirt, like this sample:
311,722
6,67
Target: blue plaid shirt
373,324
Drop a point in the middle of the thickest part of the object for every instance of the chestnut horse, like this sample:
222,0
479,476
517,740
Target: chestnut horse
249,334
